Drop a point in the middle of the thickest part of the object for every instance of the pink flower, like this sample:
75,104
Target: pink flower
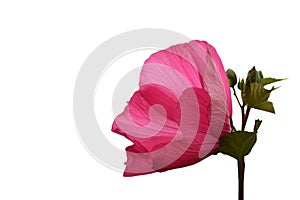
180,111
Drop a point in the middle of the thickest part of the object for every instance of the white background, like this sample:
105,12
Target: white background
42,47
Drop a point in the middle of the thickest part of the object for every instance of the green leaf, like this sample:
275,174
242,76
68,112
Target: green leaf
266,106
257,96
237,144
266,81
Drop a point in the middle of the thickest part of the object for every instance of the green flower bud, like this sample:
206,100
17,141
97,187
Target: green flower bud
232,80
254,76
241,84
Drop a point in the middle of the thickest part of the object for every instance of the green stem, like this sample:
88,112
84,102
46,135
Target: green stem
241,172
241,162
234,93
245,117
231,124
241,106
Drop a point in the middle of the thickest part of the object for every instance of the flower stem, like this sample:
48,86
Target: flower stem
245,118
234,93
231,124
241,162
241,172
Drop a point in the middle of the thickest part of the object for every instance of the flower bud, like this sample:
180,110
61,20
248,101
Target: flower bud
254,76
231,77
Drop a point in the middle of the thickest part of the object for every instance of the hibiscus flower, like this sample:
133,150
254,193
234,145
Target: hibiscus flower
181,110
